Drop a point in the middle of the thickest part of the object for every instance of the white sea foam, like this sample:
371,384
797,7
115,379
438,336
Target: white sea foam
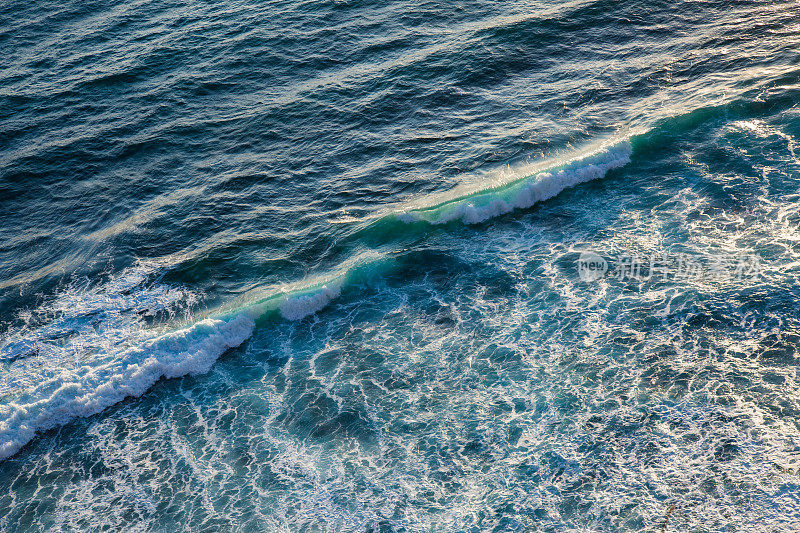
523,192
87,390
300,306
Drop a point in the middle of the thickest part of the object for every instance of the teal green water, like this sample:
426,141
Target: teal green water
315,266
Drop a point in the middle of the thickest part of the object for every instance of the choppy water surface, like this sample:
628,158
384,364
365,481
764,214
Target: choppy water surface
348,235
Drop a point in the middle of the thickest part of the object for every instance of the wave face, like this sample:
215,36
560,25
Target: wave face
525,192
240,221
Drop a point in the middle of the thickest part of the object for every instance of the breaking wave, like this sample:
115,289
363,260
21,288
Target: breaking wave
87,390
524,192
99,362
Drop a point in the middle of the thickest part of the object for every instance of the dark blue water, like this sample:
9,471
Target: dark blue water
317,266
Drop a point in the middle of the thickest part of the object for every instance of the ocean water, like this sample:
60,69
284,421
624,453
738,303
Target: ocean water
333,266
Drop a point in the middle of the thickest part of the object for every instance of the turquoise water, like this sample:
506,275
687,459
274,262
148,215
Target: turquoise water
316,266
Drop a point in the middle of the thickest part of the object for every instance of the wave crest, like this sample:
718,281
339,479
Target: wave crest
523,192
